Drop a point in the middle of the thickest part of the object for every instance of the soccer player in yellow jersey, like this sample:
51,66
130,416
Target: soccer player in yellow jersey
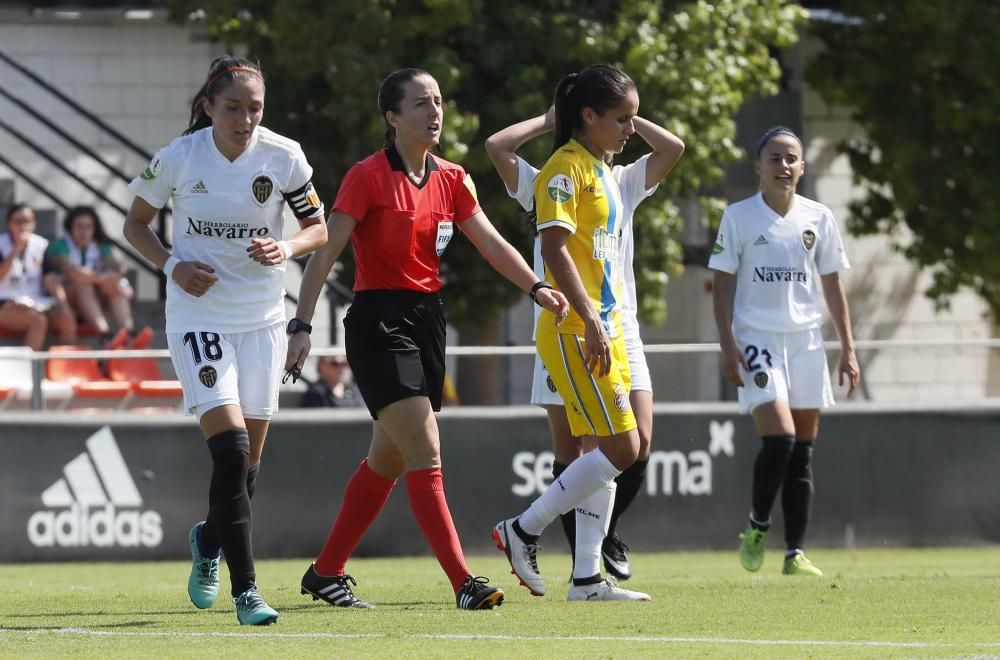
579,210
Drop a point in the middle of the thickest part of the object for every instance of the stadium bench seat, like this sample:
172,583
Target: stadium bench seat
15,374
144,376
85,376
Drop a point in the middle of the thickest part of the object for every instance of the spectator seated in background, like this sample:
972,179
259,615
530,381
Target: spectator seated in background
333,388
32,299
93,278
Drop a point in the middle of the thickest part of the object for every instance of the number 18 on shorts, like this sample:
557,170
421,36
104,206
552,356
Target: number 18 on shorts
240,369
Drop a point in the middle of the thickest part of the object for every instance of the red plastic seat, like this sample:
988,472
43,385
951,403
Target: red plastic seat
144,376
85,375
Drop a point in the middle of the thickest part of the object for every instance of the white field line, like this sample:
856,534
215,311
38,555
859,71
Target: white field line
84,632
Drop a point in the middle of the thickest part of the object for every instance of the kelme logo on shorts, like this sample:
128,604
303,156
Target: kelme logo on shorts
95,503
549,384
208,375
560,188
760,379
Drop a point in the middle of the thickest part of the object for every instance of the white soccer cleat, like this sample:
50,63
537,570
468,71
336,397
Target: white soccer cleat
606,590
522,556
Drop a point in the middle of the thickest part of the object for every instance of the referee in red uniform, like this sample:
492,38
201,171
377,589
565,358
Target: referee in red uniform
400,207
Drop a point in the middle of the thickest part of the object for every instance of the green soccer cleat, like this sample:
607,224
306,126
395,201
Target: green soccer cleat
752,544
251,610
203,583
798,564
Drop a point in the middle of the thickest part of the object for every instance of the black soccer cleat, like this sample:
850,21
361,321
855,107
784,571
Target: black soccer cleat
476,594
332,590
615,554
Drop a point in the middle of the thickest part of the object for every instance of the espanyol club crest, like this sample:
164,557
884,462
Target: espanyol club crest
208,376
760,379
621,397
808,239
262,187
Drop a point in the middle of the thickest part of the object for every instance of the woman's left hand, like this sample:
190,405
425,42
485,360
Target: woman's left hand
266,251
848,366
554,301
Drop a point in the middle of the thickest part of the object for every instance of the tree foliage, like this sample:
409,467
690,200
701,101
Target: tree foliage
695,64
920,78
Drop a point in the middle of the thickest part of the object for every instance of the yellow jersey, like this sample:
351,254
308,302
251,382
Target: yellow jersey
578,192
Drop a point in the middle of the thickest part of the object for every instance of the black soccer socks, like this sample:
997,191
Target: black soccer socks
252,480
768,474
796,494
229,505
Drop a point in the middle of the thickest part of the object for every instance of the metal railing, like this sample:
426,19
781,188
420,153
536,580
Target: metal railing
39,358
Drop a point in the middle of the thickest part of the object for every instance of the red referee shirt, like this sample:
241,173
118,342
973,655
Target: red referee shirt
403,227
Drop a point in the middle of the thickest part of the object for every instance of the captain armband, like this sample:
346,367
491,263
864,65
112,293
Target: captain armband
305,202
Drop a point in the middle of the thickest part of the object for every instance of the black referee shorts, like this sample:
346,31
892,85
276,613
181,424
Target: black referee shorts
395,345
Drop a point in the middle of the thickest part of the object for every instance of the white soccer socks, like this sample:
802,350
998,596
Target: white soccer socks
593,515
584,477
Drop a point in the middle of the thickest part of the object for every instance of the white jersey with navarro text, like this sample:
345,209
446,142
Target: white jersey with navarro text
218,208
631,180
776,261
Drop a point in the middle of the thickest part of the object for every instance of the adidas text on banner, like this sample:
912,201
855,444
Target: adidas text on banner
95,502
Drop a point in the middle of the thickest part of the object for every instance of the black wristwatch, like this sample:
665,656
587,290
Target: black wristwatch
295,325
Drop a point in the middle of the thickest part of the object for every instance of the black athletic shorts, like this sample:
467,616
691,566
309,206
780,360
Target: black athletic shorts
395,346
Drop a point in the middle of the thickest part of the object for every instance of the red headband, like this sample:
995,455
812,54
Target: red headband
208,86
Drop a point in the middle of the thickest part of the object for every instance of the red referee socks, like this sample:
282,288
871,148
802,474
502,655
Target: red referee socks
364,496
430,508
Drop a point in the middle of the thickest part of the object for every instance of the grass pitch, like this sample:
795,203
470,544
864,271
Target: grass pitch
874,603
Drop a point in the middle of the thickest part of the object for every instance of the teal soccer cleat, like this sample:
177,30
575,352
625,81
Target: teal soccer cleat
251,610
203,583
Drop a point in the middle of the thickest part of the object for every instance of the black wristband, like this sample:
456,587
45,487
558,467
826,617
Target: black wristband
541,284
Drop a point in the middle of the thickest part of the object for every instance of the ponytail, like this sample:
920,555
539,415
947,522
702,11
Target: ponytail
222,72
599,87
567,113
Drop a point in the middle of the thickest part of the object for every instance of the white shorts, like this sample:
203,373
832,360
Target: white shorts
784,365
240,369
543,390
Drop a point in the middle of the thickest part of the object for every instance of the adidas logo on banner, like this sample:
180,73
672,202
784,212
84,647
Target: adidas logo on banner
95,503
760,240
199,187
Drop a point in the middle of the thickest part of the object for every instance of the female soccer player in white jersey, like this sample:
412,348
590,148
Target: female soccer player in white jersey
636,182
229,179
771,250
